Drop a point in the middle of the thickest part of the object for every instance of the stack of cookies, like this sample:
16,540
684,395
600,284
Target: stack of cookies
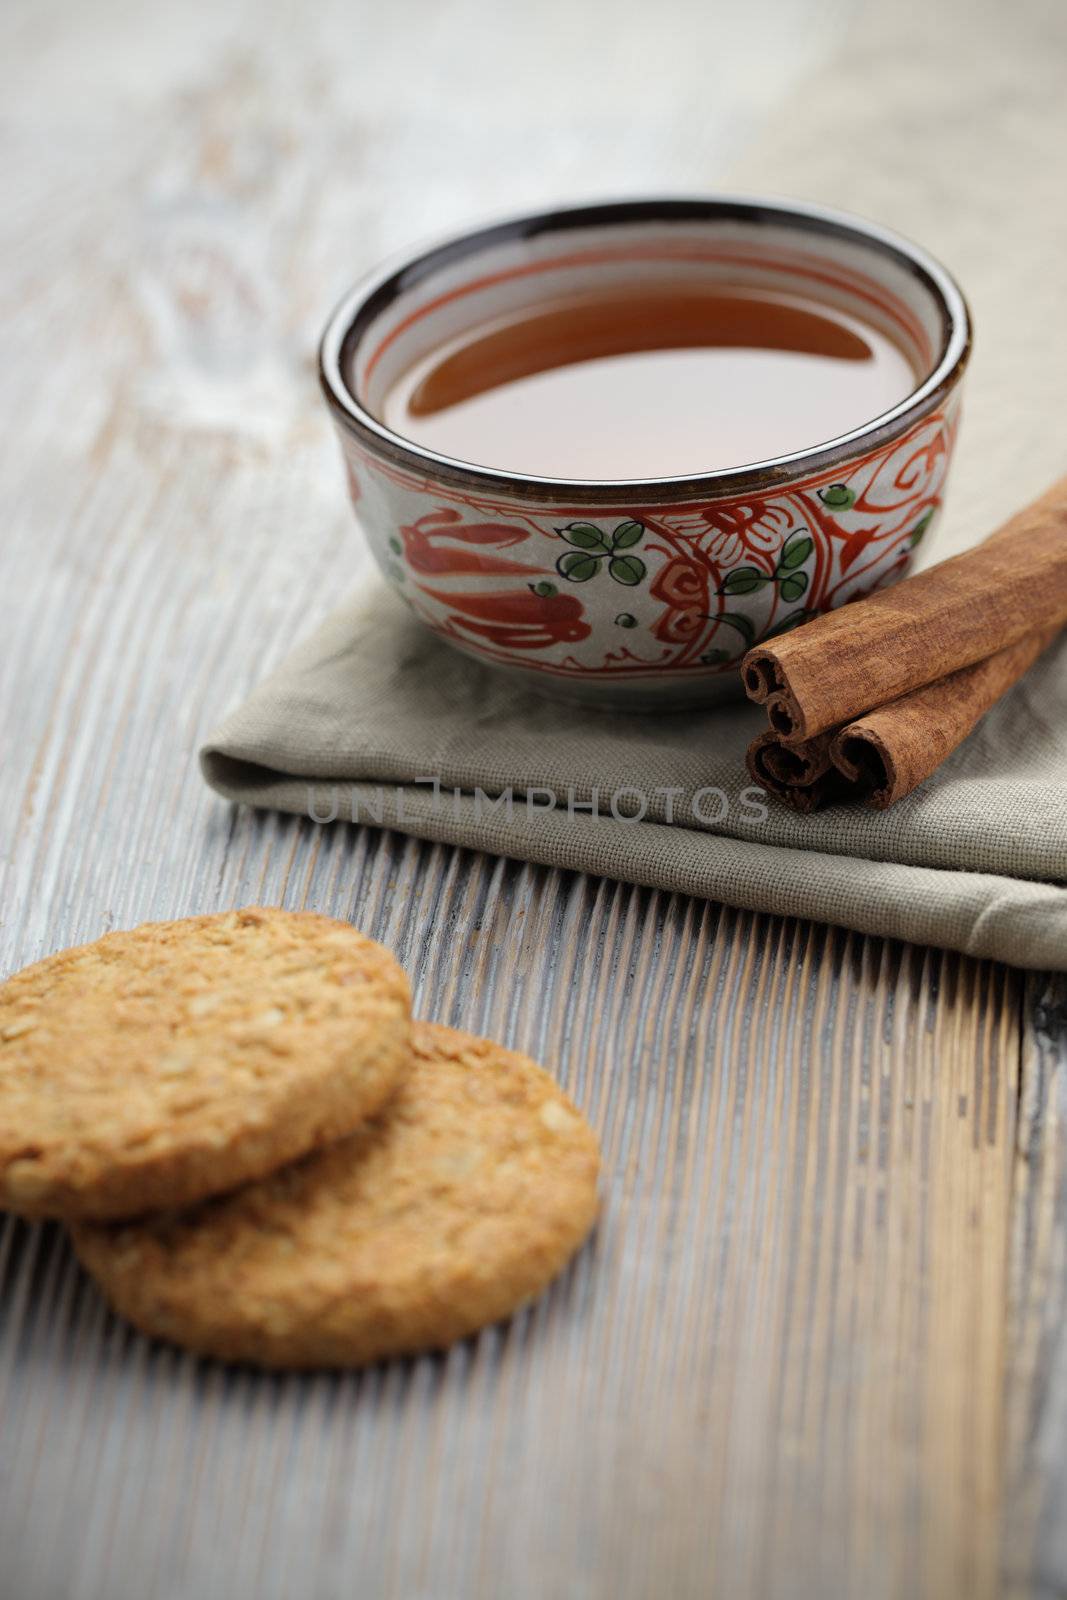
260,1155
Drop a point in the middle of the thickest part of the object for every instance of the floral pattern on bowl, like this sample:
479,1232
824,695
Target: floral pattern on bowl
683,589
645,593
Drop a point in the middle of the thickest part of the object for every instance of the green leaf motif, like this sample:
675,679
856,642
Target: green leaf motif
544,589
583,563
396,547
626,619
577,566
743,580
585,536
743,624
797,550
921,527
627,534
793,586
627,569
715,658
838,496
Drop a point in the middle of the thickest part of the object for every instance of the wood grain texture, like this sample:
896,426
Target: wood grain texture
780,1368
791,1318
1035,1531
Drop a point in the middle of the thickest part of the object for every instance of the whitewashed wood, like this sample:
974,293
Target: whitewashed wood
780,1369
1035,1529
776,1372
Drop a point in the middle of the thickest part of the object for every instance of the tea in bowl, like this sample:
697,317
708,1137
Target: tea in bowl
610,448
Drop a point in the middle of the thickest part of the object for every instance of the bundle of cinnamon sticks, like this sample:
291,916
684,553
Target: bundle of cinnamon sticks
865,702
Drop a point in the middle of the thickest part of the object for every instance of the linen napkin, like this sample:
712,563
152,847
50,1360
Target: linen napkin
371,719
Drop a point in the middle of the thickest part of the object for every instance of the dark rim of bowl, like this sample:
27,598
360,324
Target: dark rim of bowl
367,299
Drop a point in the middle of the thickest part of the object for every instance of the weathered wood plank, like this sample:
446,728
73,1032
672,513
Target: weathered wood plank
1034,1521
779,1369
776,1372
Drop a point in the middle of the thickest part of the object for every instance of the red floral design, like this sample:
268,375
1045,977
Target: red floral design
516,621
430,545
748,566
684,587
732,534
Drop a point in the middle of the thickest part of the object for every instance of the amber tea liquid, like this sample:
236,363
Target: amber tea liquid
649,383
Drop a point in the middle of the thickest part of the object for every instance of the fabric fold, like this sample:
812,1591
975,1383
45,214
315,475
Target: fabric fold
374,721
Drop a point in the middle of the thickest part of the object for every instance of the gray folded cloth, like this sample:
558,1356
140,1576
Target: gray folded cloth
960,154
374,720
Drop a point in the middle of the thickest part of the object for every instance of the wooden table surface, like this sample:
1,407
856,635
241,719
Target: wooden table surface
815,1348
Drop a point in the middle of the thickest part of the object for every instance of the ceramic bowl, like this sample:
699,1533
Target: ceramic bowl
681,575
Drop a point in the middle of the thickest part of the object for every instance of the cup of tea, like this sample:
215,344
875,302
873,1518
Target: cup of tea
607,449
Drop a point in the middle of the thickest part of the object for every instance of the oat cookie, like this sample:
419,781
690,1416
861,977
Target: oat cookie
462,1199
179,1059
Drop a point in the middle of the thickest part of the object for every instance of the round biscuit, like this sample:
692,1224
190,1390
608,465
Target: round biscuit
461,1200
179,1059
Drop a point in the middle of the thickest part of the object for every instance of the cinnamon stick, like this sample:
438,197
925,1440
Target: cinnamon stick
847,662
793,764
801,775
883,756
891,750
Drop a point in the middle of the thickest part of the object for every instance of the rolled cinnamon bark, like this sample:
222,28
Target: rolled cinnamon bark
792,764
846,662
801,775
887,753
